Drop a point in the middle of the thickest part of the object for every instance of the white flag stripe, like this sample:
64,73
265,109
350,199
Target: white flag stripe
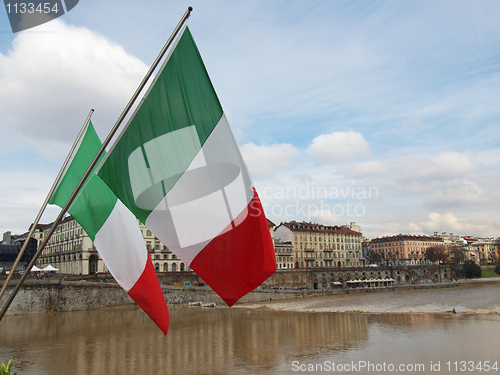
205,199
208,216
125,255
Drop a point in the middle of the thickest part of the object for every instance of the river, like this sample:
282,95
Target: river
405,332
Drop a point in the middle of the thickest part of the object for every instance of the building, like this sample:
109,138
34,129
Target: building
403,247
284,255
450,239
71,250
367,253
318,245
485,250
163,259
11,245
283,250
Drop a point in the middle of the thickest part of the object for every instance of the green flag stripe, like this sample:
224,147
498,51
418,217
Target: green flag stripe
87,150
181,97
93,206
95,202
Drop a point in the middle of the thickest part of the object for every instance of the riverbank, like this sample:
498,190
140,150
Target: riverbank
52,294
464,298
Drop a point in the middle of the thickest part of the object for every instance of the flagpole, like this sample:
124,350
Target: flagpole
96,158
44,205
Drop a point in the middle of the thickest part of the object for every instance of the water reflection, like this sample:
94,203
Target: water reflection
200,340
235,341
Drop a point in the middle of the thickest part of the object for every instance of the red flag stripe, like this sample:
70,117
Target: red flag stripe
147,293
234,267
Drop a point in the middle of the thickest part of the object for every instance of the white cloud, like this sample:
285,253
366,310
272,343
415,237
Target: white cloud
452,164
368,168
461,193
21,196
338,146
444,166
322,216
449,222
50,80
265,160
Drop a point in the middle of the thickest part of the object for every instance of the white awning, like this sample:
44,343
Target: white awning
49,268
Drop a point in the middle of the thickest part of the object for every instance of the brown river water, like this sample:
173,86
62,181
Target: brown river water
404,332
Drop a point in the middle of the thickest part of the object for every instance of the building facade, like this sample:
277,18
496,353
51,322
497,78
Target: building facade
318,245
71,251
11,245
486,251
284,255
403,248
163,259
450,239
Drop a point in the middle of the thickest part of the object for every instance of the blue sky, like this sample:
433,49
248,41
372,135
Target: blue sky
385,113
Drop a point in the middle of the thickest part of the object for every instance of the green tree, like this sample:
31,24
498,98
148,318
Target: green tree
497,269
471,269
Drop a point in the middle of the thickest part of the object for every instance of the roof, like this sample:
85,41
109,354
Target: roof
9,249
39,226
270,223
9,252
399,237
314,227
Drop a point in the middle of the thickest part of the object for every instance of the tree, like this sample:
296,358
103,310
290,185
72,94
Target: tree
471,269
456,255
436,254
375,257
497,268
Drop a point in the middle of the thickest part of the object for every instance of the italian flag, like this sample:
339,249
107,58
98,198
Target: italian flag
178,168
114,231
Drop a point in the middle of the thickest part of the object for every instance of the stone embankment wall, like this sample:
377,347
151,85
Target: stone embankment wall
38,296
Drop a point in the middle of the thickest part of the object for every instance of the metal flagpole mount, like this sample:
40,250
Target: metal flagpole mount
96,159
